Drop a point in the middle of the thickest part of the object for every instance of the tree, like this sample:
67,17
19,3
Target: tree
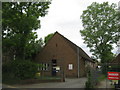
48,37
118,44
32,48
100,22
20,20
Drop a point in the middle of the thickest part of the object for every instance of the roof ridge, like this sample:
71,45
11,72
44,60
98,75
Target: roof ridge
68,41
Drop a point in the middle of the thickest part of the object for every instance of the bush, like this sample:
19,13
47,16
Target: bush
88,83
9,78
21,69
104,69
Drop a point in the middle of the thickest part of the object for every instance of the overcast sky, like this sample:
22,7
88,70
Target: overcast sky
64,17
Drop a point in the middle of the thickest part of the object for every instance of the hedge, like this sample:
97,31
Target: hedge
20,69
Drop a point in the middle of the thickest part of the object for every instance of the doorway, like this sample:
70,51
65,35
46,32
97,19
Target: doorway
54,64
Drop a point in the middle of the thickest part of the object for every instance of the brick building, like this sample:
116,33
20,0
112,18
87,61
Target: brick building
60,56
116,60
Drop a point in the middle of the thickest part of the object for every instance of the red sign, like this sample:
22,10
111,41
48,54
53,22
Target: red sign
114,75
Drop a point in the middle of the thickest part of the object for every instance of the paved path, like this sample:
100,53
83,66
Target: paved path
7,86
70,83
105,84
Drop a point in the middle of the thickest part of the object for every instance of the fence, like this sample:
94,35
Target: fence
95,75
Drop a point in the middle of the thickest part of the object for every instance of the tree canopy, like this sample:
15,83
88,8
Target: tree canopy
20,20
100,22
48,37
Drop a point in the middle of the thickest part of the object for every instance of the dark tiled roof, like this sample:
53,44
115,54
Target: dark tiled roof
74,47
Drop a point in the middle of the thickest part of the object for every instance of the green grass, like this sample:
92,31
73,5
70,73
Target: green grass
102,77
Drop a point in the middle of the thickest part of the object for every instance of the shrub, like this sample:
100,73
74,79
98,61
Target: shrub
21,69
88,83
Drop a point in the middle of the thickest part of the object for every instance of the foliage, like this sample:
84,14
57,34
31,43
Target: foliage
105,68
48,37
88,82
20,20
32,48
20,69
100,22
10,79
102,77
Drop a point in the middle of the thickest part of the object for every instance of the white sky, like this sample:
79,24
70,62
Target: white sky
64,17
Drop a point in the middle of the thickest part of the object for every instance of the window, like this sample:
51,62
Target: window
70,66
45,66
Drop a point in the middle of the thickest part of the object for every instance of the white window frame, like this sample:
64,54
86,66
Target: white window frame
45,67
70,66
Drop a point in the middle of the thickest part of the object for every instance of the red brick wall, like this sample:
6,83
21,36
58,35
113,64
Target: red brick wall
58,49
82,67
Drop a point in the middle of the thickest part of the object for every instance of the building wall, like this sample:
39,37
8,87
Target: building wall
82,67
58,49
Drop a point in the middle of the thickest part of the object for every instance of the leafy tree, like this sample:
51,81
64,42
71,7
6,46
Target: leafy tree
32,48
20,20
100,22
118,46
48,37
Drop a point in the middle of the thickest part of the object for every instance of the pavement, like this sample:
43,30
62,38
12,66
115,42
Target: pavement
105,84
7,86
69,83
0,86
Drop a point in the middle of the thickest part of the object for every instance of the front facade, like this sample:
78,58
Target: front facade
60,56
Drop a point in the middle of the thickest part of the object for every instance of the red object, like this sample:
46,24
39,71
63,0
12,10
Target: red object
114,75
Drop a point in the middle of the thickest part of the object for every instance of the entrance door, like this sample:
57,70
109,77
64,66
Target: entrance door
54,64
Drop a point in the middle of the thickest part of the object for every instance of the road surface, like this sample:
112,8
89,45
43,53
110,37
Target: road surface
69,83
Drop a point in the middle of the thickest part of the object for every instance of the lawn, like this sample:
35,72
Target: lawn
102,77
